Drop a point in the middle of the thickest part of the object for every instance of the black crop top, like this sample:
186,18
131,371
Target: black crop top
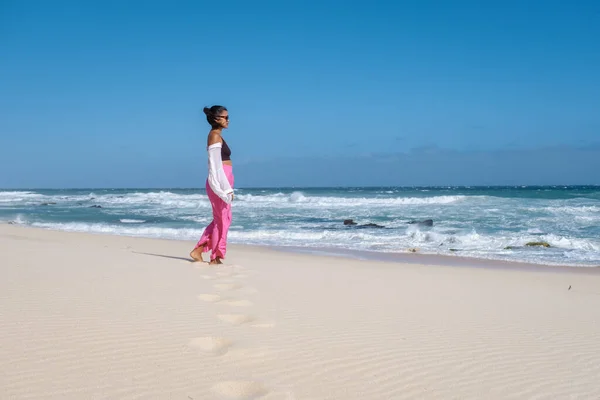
225,152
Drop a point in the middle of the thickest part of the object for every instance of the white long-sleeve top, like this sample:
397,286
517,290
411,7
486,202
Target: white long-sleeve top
216,174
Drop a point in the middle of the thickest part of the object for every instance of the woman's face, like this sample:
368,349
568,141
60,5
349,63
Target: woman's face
223,119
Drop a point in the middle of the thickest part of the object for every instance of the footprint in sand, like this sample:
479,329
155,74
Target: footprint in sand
263,325
211,298
232,274
237,303
225,280
236,319
243,319
211,344
240,390
227,286
221,279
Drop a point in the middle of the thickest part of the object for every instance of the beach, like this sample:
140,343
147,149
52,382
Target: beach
92,316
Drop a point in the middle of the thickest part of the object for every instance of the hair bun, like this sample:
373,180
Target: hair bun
207,111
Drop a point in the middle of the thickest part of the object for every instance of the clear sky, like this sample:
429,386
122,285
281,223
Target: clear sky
110,93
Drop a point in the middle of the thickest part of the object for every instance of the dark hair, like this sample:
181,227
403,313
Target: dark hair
212,113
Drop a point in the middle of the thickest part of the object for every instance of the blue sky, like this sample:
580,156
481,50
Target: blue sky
109,93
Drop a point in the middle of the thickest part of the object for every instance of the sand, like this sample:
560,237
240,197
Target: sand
104,317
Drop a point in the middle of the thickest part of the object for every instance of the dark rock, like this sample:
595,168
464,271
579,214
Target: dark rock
349,222
371,225
453,249
532,244
509,248
47,204
425,222
95,206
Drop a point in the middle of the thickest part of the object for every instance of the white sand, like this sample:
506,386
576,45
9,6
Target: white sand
93,317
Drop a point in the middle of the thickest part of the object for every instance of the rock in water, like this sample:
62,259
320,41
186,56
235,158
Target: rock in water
425,222
349,222
544,244
371,225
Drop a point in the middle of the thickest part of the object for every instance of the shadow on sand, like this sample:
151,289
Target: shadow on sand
165,256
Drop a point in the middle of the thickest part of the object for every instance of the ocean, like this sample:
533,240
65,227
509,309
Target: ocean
481,222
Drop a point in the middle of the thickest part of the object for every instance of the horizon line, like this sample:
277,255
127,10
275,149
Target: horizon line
306,187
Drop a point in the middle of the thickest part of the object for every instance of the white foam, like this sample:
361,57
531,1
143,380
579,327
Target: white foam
298,198
162,198
20,219
126,230
20,197
169,200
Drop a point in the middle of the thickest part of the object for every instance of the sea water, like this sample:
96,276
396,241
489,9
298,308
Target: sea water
482,222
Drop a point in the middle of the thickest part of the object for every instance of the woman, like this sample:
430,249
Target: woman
219,187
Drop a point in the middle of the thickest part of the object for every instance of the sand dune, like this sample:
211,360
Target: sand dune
106,317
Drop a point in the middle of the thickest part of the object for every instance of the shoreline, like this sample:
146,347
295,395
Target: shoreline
486,224
439,260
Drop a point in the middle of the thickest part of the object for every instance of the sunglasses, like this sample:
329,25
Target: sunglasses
226,117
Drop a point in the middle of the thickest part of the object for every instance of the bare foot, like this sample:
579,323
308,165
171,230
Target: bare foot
216,261
196,254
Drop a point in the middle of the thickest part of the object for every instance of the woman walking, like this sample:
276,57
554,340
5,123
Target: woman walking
219,187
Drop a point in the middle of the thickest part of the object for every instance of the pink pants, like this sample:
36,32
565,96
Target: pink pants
214,237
